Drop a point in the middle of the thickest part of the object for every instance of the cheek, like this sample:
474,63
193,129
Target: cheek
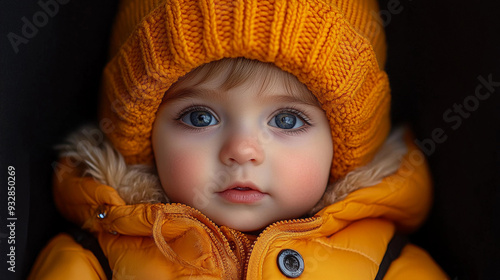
181,171
305,177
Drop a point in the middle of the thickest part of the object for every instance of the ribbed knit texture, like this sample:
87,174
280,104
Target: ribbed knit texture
336,48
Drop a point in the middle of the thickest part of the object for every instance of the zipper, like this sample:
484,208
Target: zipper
244,247
300,227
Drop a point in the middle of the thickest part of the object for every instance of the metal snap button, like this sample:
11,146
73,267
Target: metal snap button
101,215
290,263
101,212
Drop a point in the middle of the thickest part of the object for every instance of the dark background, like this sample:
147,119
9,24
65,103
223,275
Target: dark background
438,50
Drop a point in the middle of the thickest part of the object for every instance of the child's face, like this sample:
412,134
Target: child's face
247,156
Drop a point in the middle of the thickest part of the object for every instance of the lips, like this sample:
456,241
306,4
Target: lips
242,193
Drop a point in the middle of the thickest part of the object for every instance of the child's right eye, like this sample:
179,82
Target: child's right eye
199,118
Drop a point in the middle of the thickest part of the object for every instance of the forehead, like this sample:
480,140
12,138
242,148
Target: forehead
220,76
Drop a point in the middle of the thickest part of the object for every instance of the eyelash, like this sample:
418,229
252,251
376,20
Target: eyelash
303,116
190,109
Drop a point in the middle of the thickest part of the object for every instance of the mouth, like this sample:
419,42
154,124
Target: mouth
242,193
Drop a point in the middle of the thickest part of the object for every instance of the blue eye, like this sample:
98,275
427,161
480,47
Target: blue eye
286,121
199,118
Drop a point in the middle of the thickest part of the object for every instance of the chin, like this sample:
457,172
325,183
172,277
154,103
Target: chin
244,225
247,227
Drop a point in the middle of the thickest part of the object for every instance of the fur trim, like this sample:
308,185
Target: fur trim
140,183
134,183
386,162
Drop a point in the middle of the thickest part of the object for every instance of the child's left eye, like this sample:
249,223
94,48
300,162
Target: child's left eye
286,120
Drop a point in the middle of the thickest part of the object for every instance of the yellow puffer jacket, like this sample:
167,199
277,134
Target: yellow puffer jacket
345,240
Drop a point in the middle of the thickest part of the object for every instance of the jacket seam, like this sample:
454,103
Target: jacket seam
349,250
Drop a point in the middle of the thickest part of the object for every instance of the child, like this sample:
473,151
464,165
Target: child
247,140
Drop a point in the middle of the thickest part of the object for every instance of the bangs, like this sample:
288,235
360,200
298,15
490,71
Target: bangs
237,71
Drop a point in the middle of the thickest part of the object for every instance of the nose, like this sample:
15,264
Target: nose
240,149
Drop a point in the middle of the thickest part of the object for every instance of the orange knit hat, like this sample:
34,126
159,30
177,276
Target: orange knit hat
336,48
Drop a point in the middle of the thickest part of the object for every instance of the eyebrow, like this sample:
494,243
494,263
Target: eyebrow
191,92
293,99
